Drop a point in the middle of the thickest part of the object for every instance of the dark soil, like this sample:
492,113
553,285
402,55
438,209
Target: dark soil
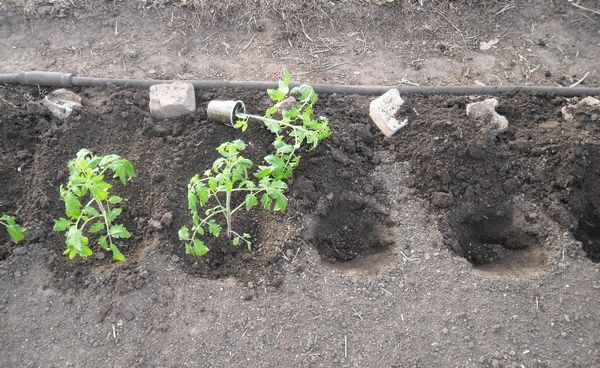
474,177
506,204
166,154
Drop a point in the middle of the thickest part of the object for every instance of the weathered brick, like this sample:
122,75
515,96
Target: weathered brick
172,100
383,110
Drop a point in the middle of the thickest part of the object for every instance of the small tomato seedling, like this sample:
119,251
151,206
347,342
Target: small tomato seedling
296,129
225,189
15,231
88,201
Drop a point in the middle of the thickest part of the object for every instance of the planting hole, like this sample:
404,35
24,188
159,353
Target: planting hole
585,202
351,229
500,240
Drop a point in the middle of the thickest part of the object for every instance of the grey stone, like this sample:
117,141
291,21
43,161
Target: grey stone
62,103
172,100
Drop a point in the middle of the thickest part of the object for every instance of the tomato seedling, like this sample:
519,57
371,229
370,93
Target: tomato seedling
15,231
296,129
225,189
88,201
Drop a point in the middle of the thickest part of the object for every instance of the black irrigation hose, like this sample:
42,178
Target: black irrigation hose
55,79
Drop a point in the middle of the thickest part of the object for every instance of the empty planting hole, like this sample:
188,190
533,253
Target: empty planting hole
351,228
496,240
585,202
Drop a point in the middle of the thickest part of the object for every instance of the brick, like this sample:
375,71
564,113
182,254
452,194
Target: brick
383,111
172,100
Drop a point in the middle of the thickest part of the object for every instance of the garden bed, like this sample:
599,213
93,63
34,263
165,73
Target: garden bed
496,199
442,240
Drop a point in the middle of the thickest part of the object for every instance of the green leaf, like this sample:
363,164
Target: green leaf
16,233
287,77
103,243
199,248
184,233
281,202
72,205
236,241
90,211
117,255
192,202
75,240
113,214
119,231
275,161
241,124
123,170
214,228
203,193
276,94
251,201
266,201
96,227
100,190
114,199
62,224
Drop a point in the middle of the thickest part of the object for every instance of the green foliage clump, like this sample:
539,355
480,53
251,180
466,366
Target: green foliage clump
222,191
88,201
296,129
229,187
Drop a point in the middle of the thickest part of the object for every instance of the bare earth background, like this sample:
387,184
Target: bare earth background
418,304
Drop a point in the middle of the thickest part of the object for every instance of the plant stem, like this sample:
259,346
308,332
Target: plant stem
228,213
105,215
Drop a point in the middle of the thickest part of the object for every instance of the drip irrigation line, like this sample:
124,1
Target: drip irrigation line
56,79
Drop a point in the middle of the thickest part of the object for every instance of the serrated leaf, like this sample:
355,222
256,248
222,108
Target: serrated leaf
203,193
184,233
90,211
103,243
119,231
192,202
60,225
100,190
77,241
114,199
123,170
199,248
96,227
72,205
241,124
263,172
117,255
251,201
113,214
281,202
276,94
16,233
214,228
266,201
